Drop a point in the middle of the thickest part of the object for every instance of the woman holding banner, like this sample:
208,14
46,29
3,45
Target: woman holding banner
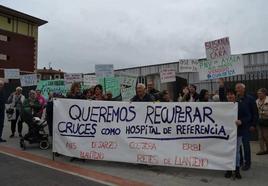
231,97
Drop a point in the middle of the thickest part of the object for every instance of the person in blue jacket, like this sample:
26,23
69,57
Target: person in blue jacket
249,113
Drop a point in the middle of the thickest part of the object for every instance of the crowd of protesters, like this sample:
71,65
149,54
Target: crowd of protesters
252,113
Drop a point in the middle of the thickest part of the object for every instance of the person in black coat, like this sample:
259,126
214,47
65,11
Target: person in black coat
204,96
49,113
2,109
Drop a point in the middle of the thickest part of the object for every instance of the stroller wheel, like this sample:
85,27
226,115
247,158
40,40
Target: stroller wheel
44,144
22,144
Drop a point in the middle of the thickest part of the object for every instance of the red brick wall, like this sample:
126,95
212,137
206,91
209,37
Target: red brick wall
20,51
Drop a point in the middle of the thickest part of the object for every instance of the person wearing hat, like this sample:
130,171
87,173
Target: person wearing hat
15,100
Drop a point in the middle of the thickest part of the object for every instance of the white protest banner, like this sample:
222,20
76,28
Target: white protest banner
188,65
218,48
104,70
90,80
128,87
28,80
70,78
194,135
167,75
220,68
12,73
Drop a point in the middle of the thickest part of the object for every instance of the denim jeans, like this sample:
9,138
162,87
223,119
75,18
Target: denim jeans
246,148
238,145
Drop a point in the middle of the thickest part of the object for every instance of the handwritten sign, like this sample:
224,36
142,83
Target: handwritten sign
219,68
55,86
127,87
90,80
167,75
188,65
194,135
12,73
219,48
70,78
110,84
104,70
28,80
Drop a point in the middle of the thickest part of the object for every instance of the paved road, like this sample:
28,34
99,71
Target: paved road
17,172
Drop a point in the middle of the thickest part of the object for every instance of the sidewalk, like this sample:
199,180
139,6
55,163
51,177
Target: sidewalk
156,175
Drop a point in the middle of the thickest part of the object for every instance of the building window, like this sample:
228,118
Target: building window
4,38
3,57
9,20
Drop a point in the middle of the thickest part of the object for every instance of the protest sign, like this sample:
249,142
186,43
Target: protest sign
70,78
28,80
167,75
102,71
188,65
90,80
3,57
12,73
219,48
55,86
194,135
127,87
110,84
222,67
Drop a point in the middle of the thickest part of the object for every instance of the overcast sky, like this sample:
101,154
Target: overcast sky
130,33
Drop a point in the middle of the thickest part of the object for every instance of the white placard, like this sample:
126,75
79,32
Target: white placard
3,37
3,57
188,65
70,78
104,70
12,73
167,75
193,135
220,68
219,48
127,87
90,80
28,80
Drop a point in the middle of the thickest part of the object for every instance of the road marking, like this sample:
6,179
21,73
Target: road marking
69,168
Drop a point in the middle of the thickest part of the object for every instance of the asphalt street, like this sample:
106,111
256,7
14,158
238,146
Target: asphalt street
17,172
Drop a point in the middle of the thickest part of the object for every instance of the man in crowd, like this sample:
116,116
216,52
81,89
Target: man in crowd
152,91
141,94
194,96
250,115
2,109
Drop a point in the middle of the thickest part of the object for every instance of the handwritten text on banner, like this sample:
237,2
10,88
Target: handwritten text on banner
219,68
195,135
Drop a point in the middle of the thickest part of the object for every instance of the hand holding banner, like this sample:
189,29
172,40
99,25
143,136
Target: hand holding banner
194,135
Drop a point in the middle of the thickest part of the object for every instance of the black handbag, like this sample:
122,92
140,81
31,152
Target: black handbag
10,111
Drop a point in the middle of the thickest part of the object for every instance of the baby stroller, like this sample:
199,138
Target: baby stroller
36,133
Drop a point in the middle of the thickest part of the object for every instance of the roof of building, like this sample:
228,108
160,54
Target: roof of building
174,62
12,12
49,71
